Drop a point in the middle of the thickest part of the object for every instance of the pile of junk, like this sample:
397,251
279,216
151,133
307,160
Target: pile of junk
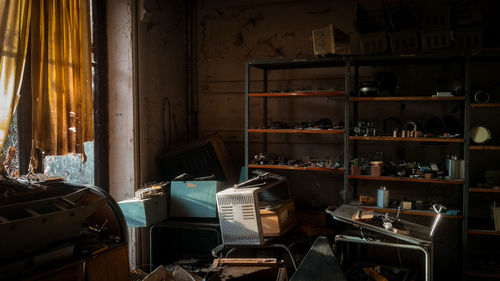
300,252
46,223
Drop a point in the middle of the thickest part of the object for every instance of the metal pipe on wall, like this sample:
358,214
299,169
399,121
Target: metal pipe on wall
192,70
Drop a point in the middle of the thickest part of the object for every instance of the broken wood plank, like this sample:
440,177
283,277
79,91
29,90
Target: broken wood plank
31,212
247,262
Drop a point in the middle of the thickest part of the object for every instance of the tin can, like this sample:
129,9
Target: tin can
382,197
461,169
452,167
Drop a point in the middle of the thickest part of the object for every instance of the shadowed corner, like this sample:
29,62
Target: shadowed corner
320,263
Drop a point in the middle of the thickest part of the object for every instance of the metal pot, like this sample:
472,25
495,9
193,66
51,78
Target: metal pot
368,89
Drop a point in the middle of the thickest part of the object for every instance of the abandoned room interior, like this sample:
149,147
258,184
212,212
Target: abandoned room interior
188,140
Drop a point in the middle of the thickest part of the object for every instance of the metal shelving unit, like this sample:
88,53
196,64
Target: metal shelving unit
283,64
483,190
483,275
420,59
406,179
480,234
296,168
362,138
378,99
299,94
483,232
485,105
485,147
356,61
295,131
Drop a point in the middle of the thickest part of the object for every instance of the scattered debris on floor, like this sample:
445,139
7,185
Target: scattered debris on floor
161,273
370,272
224,269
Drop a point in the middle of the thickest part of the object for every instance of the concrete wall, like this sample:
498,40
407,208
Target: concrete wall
161,94
233,32
122,160
160,99
147,93
162,81
121,99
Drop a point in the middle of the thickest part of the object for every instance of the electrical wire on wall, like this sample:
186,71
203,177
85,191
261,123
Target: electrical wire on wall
166,102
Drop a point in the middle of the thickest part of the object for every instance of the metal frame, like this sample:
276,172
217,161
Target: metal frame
492,55
465,192
344,214
424,249
421,239
264,110
101,132
347,117
247,119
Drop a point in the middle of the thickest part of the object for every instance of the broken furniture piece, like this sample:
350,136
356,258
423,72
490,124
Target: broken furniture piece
418,237
319,264
172,240
371,271
52,219
59,227
247,269
203,157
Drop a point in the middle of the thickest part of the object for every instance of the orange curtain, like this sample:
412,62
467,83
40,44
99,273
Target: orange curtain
61,76
14,31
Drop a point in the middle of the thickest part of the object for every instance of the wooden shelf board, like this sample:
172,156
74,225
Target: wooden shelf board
404,179
485,190
481,274
485,105
405,139
295,168
298,94
295,131
408,212
483,232
484,147
407,98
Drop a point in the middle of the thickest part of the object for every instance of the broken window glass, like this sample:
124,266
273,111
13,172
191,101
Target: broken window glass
10,155
71,166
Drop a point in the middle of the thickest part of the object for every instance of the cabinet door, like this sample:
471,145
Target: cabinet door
110,265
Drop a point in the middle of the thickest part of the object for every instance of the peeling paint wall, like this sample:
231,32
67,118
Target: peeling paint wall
233,32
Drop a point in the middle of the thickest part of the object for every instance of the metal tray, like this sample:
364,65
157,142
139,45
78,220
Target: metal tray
419,234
